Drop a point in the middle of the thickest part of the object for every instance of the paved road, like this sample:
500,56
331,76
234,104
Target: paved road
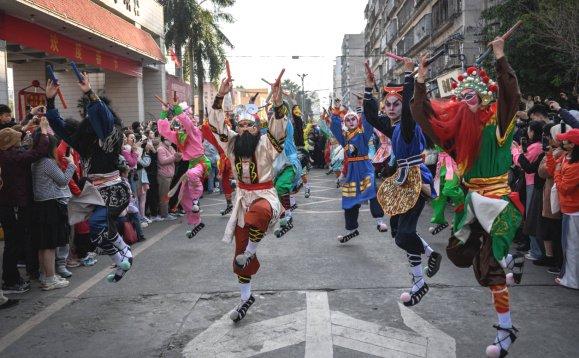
314,298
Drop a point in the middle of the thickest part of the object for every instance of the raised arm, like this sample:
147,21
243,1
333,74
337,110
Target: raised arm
336,128
164,128
222,133
420,106
565,115
509,94
370,106
54,119
407,124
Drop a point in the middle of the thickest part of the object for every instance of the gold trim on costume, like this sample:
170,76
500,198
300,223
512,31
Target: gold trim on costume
397,199
352,134
494,186
502,139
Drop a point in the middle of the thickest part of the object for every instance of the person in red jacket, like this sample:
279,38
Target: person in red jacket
567,182
225,172
64,255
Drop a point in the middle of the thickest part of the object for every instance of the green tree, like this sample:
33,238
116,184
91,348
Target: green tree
195,28
290,86
544,66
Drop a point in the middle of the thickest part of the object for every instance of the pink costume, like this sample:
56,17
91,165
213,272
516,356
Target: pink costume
190,143
383,152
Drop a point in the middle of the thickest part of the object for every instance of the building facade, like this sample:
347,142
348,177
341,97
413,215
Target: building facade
411,27
351,66
119,43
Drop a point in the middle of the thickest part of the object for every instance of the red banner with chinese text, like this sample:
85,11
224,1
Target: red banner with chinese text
22,32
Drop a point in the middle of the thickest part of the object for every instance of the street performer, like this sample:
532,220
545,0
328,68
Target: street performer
478,132
256,207
404,194
98,139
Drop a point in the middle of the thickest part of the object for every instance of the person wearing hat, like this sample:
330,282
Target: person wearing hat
404,194
288,178
256,208
189,141
98,139
478,132
567,182
15,204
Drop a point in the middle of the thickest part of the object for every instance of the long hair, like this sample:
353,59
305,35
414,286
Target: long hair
459,129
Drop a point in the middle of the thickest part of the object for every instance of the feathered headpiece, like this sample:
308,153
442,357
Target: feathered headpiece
478,80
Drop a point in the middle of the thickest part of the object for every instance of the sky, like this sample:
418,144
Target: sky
267,33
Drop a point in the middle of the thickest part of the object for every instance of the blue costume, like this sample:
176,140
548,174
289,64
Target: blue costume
358,184
402,195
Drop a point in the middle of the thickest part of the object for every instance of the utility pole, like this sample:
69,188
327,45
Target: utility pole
303,105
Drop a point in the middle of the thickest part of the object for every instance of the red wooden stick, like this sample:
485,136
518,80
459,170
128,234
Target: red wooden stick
394,56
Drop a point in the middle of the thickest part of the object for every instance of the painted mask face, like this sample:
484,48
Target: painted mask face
246,126
351,121
471,98
393,107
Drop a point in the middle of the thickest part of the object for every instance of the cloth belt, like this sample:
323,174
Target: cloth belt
257,186
106,179
404,165
495,187
358,159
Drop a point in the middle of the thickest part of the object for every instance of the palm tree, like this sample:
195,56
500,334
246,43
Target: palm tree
193,27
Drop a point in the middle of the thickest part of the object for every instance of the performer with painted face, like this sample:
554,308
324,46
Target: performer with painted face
357,183
288,178
478,132
189,140
98,139
404,194
256,206
303,154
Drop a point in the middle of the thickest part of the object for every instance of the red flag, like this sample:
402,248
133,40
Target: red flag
174,57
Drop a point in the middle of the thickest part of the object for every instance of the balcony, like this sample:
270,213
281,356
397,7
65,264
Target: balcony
389,7
405,13
408,41
443,11
423,28
391,31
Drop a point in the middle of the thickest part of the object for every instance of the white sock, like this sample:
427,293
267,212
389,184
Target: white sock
288,213
503,336
506,261
379,221
245,289
308,185
505,319
292,200
123,248
418,278
427,249
251,247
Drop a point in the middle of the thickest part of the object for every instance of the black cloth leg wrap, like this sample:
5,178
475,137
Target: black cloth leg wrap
351,216
376,209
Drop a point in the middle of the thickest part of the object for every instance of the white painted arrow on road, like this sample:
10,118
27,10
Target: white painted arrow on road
322,329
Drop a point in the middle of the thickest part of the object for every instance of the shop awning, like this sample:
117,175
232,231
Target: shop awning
93,18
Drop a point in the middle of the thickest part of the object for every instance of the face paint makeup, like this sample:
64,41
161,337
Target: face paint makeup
470,97
393,107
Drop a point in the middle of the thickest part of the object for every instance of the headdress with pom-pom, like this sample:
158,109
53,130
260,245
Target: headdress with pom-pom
478,80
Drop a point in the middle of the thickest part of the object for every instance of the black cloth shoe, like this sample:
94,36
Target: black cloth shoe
20,287
240,310
545,261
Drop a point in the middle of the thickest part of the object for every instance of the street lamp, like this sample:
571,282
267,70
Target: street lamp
302,76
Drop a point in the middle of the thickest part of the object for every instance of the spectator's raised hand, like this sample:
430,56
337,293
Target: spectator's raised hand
51,89
85,84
